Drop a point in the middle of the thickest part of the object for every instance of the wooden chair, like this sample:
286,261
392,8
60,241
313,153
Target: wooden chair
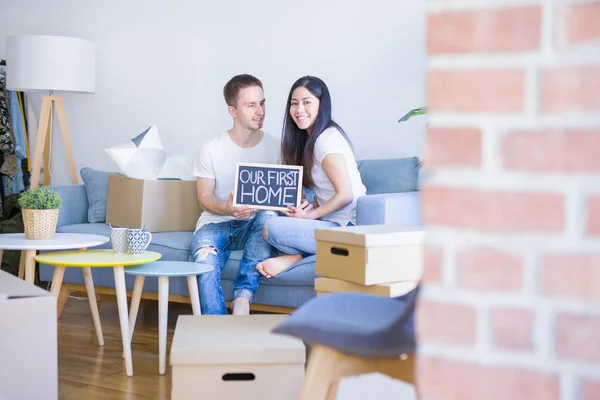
352,334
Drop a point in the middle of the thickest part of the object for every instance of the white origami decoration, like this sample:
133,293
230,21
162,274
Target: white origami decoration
143,157
178,167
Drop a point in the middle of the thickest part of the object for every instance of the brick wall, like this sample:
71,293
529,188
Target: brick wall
510,307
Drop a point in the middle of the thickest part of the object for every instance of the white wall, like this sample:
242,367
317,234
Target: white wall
165,62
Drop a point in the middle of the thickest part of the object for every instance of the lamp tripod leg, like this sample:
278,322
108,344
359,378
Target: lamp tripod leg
41,141
64,129
48,147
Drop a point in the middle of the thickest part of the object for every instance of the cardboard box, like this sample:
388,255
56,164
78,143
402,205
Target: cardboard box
28,341
370,254
235,358
157,205
329,285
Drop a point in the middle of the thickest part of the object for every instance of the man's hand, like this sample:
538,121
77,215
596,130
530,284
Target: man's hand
302,212
240,212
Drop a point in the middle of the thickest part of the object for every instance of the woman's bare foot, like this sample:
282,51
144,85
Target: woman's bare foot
276,265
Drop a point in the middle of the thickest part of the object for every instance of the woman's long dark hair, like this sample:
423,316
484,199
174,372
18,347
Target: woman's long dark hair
297,147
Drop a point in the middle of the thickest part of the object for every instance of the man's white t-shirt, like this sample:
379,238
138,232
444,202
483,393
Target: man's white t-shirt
331,141
217,159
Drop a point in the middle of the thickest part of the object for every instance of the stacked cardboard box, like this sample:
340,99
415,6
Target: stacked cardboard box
379,259
157,205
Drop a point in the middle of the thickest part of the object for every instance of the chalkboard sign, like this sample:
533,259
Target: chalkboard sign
267,186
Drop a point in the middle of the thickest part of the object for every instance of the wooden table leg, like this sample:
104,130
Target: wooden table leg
89,287
163,314
123,316
56,288
30,266
63,296
57,278
22,264
194,296
136,297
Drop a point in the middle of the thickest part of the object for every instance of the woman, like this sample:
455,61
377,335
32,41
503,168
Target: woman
312,139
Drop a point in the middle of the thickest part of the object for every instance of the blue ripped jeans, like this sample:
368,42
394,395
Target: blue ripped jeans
225,237
295,236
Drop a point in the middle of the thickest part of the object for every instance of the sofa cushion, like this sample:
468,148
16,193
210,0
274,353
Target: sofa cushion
301,274
281,296
75,205
393,175
93,229
174,246
173,240
96,187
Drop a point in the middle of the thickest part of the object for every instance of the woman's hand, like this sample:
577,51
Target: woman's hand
302,212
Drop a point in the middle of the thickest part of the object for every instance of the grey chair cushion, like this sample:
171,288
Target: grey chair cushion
359,324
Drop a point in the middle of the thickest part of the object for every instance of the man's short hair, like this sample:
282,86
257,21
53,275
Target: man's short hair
237,83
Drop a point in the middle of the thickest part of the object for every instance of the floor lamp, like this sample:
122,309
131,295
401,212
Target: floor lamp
49,64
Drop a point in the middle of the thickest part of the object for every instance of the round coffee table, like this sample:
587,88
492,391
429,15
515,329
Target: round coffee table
163,270
100,259
28,247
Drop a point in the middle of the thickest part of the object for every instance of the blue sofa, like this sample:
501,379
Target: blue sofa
392,198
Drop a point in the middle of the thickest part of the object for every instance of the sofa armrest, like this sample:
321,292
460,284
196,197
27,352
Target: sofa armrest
403,209
74,209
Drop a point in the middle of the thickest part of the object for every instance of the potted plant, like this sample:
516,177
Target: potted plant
40,212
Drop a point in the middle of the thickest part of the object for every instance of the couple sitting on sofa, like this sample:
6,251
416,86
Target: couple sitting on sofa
270,243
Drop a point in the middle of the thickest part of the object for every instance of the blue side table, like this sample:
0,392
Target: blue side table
164,270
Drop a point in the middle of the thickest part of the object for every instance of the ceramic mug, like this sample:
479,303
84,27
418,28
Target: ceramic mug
118,238
138,240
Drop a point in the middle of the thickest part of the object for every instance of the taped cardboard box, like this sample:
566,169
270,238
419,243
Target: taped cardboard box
157,205
330,285
370,254
28,341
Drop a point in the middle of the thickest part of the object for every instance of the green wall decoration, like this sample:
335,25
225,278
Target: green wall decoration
413,113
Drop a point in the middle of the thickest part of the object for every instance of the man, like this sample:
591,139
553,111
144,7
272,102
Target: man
222,228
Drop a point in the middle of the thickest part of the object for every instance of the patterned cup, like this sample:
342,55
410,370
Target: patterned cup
118,238
138,240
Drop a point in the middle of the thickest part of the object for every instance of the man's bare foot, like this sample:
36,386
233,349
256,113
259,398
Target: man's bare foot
276,265
240,306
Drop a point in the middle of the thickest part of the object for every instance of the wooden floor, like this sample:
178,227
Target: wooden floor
88,371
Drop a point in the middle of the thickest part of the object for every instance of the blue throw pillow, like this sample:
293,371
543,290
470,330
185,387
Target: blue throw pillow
96,186
394,175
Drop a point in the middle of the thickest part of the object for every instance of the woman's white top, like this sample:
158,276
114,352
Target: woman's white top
331,141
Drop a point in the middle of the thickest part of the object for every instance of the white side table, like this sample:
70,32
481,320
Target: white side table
163,270
61,241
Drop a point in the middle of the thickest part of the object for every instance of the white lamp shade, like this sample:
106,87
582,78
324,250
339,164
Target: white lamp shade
44,63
